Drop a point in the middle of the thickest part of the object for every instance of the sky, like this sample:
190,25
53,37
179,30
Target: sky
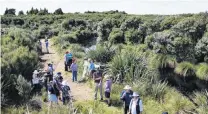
129,6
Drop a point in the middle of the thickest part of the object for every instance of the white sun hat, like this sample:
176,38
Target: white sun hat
64,83
36,72
127,87
135,94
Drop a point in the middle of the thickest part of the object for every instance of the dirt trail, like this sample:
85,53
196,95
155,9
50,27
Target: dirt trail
80,92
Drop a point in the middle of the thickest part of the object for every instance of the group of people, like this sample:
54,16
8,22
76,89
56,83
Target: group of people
70,65
54,85
132,101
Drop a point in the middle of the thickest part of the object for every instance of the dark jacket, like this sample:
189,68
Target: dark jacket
127,98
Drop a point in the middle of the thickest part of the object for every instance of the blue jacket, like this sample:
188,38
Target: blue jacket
127,98
68,56
92,66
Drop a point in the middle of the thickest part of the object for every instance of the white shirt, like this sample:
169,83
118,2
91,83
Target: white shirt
50,69
133,106
35,79
86,64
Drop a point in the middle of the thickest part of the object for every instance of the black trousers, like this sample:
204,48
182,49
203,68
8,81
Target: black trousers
126,109
68,64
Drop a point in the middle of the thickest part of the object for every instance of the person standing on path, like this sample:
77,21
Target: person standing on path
108,86
65,92
40,46
91,68
35,82
85,65
47,43
74,68
52,93
126,96
135,106
67,60
97,76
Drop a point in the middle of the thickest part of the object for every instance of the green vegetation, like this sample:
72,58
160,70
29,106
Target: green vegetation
164,58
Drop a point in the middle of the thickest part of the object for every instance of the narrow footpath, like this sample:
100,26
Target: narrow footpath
80,91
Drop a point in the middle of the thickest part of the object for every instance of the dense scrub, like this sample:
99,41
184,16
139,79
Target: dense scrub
164,58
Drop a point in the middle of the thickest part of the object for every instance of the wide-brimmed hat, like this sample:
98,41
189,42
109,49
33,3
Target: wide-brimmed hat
127,87
36,72
135,94
64,83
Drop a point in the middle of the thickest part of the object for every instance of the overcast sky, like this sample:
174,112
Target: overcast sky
129,6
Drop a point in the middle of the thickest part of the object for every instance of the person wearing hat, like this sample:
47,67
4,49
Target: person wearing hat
97,77
136,106
35,81
126,96
108,85
65,92
50,71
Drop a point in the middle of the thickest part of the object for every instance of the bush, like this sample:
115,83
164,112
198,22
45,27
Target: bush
101,54
24,88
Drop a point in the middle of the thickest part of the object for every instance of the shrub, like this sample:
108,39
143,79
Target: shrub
101,54
24,88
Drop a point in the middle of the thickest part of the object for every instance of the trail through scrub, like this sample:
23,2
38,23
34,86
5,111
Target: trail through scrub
80,91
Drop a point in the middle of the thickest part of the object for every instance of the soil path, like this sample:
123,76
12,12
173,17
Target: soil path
80,91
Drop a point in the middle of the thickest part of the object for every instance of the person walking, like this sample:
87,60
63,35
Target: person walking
97,76
108,86
74,68
47,44
35,82
135,106
50,71
126,96
91,68
52,93
65,92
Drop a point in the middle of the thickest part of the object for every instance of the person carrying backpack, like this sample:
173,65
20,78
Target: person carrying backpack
135,106
65,92
52,93
126,96
97,76
50,71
